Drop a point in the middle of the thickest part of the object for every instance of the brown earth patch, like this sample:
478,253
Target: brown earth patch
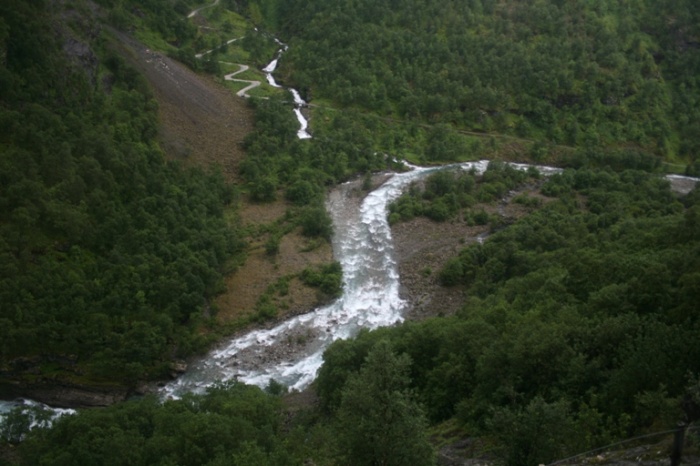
261,270
423,247
203,124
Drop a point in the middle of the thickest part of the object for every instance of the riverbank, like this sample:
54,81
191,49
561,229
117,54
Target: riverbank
423,246
67,395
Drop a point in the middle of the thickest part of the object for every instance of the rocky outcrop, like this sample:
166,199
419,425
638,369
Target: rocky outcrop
66,395
79,31
63,396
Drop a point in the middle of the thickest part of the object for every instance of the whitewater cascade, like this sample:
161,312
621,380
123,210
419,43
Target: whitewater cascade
299,103
40,415
291,352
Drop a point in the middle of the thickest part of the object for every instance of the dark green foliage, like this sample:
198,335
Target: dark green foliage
230,424
327,278
303,192
581,323
378,421
264,189
444,144
315,222
527,201
693,169
581,318
277,159
108,253
168,18
451,274
275,388
340,360
260,47
536,434
615,159
574,73
447,192
272,244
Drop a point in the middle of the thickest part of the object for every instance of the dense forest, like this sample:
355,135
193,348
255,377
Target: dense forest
580,320
108,252
580,329
575,72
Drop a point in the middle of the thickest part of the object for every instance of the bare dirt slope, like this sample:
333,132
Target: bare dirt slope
202,123
250,282
423,247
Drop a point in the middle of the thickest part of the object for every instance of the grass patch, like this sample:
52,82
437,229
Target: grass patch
153,40
447,432
674,168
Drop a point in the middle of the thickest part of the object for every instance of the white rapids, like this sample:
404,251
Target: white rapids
292,352
38,414
270,68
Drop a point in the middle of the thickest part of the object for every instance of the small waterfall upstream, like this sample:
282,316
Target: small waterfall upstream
299,103
291,351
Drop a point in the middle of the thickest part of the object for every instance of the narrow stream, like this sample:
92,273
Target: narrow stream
299,103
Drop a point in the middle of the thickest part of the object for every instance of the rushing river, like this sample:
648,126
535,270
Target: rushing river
291,352
33,415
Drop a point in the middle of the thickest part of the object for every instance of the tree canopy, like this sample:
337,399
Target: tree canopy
574,73
231,424
580,317
109,253
579,323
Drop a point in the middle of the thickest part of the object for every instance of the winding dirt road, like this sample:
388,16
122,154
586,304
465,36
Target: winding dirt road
251,84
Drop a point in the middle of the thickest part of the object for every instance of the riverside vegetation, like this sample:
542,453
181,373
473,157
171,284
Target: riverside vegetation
579,323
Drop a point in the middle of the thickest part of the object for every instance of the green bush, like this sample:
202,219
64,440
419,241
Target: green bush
452,272
327,278
315,222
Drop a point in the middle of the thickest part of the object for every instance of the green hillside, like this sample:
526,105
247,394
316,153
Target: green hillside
578,319
108,253
573,73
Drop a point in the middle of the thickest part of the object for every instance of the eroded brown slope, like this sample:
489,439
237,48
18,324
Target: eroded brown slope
202,123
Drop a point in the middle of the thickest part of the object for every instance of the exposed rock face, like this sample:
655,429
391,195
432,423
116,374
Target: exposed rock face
78,30
74,397
177,368
69,396
82,54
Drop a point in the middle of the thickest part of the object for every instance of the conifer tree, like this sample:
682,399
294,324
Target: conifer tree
379,422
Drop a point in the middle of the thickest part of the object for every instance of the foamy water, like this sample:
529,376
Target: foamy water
270,68
291,352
